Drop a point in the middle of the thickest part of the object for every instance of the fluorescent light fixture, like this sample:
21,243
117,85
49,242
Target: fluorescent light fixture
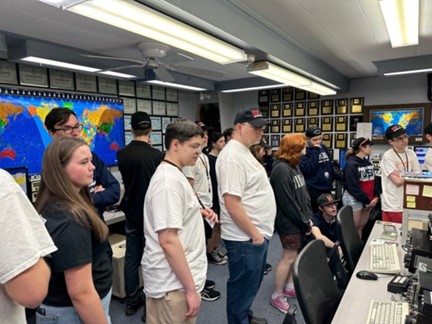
39,60
118,74
139,19
320,89
176,85
273,72
62,4
402,21
408,72
254,88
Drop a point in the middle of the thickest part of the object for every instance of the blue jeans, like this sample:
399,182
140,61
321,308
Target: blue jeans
246,263
134,251
67,315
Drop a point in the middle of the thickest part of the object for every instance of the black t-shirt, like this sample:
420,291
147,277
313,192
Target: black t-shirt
327,229
77,246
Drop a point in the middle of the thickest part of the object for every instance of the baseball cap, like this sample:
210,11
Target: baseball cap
202,125
252,116
264,144
359,142
394,131
313,131
326,199
140,120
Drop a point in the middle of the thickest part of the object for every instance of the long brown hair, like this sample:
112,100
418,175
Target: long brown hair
291,147
56,186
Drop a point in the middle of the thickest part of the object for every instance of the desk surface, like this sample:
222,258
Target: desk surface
354,306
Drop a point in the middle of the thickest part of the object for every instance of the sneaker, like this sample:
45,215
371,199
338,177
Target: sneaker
210,294
267,268
257,320
289,292
209,284
213,257
280,303
133,303
222,252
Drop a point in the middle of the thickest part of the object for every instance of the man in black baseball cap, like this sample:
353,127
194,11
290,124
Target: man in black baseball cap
252,116
140,121
394,131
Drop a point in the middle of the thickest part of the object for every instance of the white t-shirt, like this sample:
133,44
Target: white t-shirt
392,196
170,202
428,160
200,173
240,174
23,241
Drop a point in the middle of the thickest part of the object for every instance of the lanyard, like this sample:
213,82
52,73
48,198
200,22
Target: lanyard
403,163
175,165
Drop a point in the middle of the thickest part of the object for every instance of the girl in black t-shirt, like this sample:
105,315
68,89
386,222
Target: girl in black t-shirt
80,284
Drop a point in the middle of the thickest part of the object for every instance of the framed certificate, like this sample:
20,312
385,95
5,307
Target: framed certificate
313,95
300,109
156,138
126,88
341,106
299,125
275,140
275,126
159,108
327,140
144,105
156,123
275,95
353,122
341,141
128,137
356,106
313,108
107,85
158,93
287,94
327,124
127,122
143,90
85,82
327,107
129,105
172,109
61,79
300,94
31,75
263,96
312,121
286,126
341,123
275,110
8,73
287,110
165,123
264,111
171,94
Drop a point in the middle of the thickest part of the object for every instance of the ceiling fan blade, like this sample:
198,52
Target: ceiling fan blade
176,58
163,74
125,67
115,58
200,72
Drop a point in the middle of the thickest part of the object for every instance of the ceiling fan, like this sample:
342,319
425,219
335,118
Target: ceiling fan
156,59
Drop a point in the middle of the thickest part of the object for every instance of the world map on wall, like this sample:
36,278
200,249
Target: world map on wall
411,119
23,136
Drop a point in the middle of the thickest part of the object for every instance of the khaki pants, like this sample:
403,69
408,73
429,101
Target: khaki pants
169,309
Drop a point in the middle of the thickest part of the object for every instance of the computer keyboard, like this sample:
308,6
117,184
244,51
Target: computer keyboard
388,312
384,258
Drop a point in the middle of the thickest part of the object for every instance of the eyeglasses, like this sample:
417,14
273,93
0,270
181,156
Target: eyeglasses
196,147
69,129
401,138
256,128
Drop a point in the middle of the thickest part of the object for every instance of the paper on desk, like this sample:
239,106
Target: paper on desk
427,191
412,189
411,205
410,198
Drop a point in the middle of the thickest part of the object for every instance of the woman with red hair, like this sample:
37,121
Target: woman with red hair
293,216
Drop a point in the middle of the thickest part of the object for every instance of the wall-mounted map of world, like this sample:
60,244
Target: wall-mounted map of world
23,136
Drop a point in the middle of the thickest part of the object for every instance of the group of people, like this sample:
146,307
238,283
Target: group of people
178,207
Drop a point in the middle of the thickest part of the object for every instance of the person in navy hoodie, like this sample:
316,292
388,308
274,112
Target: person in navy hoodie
359,180
317,167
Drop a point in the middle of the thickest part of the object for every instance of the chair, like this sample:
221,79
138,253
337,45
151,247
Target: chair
337,267
352,244
317,292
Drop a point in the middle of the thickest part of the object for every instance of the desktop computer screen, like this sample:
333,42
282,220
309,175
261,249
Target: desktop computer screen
20,175
421,152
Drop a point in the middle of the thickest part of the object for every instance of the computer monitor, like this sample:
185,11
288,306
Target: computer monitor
20,175
421,152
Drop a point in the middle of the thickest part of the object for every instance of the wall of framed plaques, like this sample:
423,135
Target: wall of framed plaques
292,110
159,102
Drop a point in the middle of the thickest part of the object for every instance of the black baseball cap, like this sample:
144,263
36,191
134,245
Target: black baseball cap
313,131
252,116
326,199
394,131
140,120
359,142
264,144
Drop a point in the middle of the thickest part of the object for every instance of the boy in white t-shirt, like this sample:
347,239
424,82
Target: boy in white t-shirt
396,160
174,261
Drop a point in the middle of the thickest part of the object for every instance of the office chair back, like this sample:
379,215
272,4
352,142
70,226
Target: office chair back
352,244
317,292
337,267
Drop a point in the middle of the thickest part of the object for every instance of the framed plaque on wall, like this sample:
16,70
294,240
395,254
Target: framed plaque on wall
264,111
313,108
286,126
341,123
341,106
31,75
356,106
300,94
299,125
275,110
327,124
312,121
107,85
327,107
85,82
300,109
263,97
143,90
287,110
61,79
328,139
287,94
8,73
126,88
275,126
275,95
341,141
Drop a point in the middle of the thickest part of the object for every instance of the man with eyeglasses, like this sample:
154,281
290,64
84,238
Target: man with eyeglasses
317,167
105,189
248,211
396,160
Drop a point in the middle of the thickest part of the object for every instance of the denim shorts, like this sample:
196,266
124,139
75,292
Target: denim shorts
349,200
